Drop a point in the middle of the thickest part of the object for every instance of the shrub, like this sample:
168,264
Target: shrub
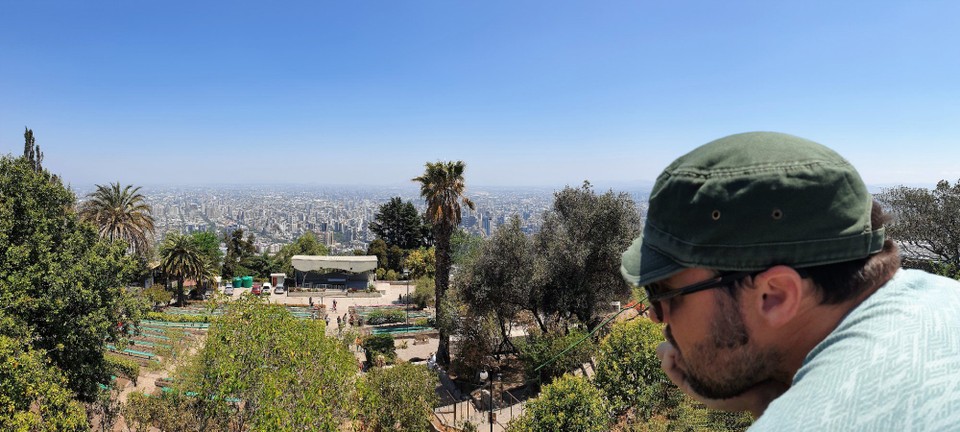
628,371
571,403
400,398
386,316
169,317
123,366
423,293
381,344
539,349
391,275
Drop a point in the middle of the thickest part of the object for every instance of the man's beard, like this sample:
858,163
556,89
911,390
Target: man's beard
724,365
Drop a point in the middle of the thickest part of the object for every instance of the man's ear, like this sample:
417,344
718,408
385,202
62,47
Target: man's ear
779,293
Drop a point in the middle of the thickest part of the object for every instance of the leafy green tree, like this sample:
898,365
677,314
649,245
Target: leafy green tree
546,356
499,280
31,150
60,283
157,296
578,251
443,187
181,258
239,252
378,247
421,263
34,394
307,244
286,372
208,244
926,223
464,247
398,399
395,257
423,293
398,223
120,214
570,403
628,371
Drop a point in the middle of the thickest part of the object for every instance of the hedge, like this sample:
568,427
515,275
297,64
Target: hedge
385,316
163,316
123,366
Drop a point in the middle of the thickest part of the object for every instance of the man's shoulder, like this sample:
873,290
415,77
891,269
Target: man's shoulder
893,363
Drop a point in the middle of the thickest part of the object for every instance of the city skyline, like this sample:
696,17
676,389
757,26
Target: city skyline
534,94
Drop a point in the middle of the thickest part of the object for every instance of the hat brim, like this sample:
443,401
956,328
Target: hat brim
642,264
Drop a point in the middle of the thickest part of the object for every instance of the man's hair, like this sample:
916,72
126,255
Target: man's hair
847,280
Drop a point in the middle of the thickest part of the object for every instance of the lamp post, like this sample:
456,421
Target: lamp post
483,377
406,301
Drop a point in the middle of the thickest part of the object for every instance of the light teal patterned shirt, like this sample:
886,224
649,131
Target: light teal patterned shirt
893,364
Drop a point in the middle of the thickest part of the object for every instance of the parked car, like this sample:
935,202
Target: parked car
255,290
279,290
265,289
228,290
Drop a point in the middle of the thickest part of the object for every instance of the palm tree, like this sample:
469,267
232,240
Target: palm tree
442,186
180,257
120,214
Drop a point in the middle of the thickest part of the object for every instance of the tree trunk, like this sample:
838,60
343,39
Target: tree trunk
442,234
180,299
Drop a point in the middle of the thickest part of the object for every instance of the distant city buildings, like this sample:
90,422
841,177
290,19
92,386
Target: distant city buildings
339,217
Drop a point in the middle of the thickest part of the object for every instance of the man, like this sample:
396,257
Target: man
765,257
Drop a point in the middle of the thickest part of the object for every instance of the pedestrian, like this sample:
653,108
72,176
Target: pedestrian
334,304
311,301
815,326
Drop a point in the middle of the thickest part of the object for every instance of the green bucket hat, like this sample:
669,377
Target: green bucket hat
750,201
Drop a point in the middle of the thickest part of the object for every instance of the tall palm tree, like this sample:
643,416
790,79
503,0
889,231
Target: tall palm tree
181,258
442,186
120,214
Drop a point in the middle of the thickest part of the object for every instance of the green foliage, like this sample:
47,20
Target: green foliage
239,252
423,293
421,263
208,244
498,280
157,295
33,394
181,258
385,316
379,345
391,275
397,223
378,247
570,403
179,318
61,284
539,348
400,398
478,338
628,371
395,257
123,366
307,244
286,372
925,222
464,247
578,251
120,214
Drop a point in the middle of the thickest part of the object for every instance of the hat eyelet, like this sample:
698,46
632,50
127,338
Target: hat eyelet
715,215
777,214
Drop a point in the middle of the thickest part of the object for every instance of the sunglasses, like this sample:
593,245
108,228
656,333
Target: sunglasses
656,294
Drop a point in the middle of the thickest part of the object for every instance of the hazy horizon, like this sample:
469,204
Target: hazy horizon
532,94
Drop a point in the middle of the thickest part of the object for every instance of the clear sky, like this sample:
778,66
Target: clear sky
542,93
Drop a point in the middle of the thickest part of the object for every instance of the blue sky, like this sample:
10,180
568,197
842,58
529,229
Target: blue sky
525,92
